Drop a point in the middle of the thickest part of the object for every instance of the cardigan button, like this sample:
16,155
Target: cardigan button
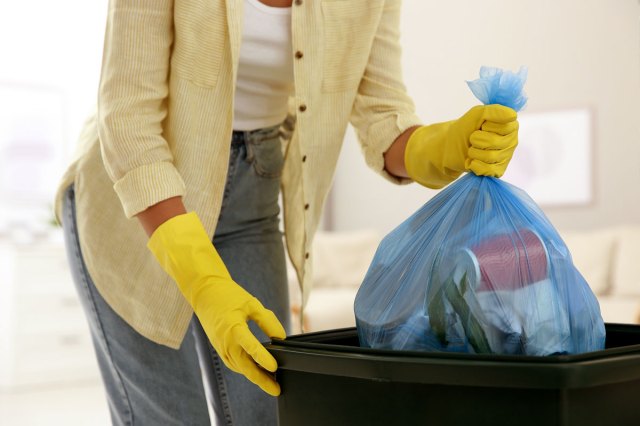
298,2
302,108
299,55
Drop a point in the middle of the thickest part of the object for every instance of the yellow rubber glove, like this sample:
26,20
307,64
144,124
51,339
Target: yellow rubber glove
185,252
482,141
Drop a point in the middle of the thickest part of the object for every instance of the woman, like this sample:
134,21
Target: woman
206,109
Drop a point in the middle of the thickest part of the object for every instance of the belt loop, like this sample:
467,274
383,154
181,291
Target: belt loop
248,146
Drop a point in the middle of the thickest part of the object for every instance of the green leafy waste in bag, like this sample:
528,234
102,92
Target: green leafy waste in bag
437,314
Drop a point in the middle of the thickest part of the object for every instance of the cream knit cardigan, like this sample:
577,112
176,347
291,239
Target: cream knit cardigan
164,122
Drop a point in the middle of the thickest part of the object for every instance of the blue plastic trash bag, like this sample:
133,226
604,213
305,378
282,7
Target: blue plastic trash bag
478,269
496,86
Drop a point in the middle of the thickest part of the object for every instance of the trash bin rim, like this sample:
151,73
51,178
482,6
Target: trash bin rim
310,341
302,353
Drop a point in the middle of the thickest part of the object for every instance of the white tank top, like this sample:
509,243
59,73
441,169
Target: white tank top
265,71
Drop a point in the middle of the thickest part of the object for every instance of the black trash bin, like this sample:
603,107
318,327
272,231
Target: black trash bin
327,379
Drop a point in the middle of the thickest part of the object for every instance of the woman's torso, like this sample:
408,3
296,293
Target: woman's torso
182,80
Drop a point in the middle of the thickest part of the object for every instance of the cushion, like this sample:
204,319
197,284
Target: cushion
626,267
341,259
330,308
618,309
592,252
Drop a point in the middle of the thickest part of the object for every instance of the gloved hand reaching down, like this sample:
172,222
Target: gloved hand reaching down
184,250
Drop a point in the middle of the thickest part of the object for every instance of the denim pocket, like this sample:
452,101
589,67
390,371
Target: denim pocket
266,155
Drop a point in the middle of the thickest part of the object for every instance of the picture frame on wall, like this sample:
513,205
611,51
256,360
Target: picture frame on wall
553,162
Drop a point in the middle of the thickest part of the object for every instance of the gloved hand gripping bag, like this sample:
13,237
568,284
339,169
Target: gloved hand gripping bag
478,269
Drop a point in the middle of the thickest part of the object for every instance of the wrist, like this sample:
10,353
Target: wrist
394,158
159,213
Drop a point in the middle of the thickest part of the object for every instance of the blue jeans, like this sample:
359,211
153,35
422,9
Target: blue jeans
150,384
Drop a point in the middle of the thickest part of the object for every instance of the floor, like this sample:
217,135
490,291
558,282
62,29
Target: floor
78,405
83,404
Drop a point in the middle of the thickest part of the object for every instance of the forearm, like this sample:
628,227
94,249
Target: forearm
394,157
159,213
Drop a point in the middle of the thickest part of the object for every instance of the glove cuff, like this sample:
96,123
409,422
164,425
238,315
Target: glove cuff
424,157
183,249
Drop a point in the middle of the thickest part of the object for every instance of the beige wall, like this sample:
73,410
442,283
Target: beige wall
580,53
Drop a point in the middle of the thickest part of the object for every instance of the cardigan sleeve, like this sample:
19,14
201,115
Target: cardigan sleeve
132,103
382,109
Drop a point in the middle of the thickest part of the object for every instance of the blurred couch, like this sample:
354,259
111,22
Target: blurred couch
608,258
340,262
